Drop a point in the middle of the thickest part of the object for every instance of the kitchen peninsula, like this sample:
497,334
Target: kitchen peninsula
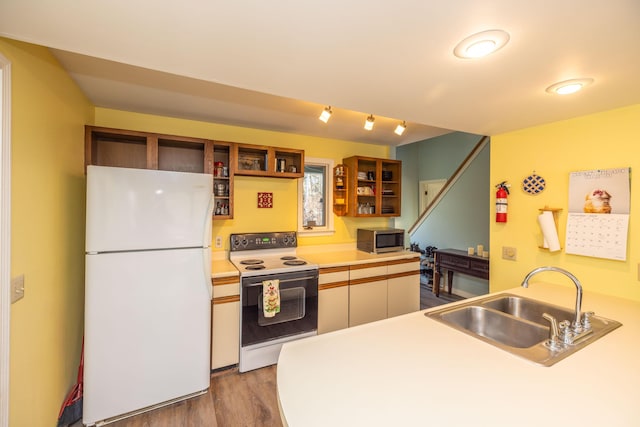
412,370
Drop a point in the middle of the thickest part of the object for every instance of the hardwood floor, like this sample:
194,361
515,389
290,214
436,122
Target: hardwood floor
428,298
247,399
234,400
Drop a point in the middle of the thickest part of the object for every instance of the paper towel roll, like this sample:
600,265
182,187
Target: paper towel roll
549,232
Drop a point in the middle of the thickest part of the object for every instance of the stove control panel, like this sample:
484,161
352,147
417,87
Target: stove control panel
252,241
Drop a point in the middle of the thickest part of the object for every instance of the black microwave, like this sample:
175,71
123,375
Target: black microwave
380,240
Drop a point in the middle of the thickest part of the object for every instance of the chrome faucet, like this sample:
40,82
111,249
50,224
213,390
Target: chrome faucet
577,323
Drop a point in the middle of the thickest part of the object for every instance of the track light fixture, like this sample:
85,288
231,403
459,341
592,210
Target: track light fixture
368,124
326,114
400,128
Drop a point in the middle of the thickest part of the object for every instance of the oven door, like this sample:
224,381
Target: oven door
298,307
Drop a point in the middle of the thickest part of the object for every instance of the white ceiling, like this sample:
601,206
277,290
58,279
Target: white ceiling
275,64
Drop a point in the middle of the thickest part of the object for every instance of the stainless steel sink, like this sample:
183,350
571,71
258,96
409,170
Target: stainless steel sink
515,324
496,326
528,309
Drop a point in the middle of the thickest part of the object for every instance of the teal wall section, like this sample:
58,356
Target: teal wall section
435,158
461,219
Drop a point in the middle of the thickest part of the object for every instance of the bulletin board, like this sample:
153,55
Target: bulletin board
599,208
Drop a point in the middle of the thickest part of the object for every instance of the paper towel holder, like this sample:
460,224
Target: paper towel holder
555,212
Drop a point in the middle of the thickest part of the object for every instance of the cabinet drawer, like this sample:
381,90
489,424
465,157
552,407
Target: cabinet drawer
333,277
412,264
226,290
379,272
481,268
454,262
359,272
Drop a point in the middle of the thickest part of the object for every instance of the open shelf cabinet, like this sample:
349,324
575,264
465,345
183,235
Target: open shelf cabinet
373,186
340,190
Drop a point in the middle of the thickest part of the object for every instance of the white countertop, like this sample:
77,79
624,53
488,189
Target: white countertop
324,256
411,370
343,256
223,268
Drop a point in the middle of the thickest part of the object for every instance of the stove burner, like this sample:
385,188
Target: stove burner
252,262
295,262
287,258
255,267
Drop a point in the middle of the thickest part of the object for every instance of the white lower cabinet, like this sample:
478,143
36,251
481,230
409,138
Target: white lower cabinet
367,302
362,293
225,322
403,287
367,293
333,299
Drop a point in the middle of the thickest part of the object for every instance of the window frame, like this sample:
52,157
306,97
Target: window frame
328,229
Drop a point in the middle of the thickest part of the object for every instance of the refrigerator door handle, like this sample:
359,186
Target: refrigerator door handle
208,224
206,255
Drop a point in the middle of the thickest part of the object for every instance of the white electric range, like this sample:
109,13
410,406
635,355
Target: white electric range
262,257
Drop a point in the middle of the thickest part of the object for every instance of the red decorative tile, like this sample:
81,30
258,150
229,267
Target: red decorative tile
265,200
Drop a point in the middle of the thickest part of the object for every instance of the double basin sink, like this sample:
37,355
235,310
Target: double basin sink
515,324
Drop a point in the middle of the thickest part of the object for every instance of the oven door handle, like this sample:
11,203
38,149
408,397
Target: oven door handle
297,279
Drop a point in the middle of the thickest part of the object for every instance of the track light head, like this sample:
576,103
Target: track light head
326,114
368,124
400,128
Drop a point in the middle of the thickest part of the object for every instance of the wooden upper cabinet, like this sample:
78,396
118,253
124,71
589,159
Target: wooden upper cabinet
143,150
374,186
183,154
340,190
115,147
223,161
262,160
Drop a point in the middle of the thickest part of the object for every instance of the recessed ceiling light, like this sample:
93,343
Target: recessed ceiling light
481,44
569,86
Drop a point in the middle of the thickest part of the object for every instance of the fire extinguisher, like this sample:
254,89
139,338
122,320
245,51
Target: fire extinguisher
501,201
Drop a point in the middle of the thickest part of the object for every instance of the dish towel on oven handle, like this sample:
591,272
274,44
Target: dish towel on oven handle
271,297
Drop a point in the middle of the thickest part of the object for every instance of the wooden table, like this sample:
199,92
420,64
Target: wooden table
457,260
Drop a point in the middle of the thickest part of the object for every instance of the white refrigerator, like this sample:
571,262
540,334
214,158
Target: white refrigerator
147,290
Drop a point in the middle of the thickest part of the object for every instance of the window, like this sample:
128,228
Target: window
315,216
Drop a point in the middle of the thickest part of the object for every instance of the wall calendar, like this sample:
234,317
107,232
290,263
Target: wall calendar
599,208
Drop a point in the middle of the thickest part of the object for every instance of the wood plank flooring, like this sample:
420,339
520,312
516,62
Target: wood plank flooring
234,400
428,298
247,399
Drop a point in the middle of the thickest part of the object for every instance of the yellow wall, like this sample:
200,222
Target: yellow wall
47,232
599,141
247,216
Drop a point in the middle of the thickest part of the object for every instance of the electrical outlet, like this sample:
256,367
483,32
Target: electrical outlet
218,242
17,288
509,253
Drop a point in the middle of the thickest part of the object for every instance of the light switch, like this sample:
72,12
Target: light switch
509,253
17,288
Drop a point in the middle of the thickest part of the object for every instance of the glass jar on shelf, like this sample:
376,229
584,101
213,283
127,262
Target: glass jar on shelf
218,170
